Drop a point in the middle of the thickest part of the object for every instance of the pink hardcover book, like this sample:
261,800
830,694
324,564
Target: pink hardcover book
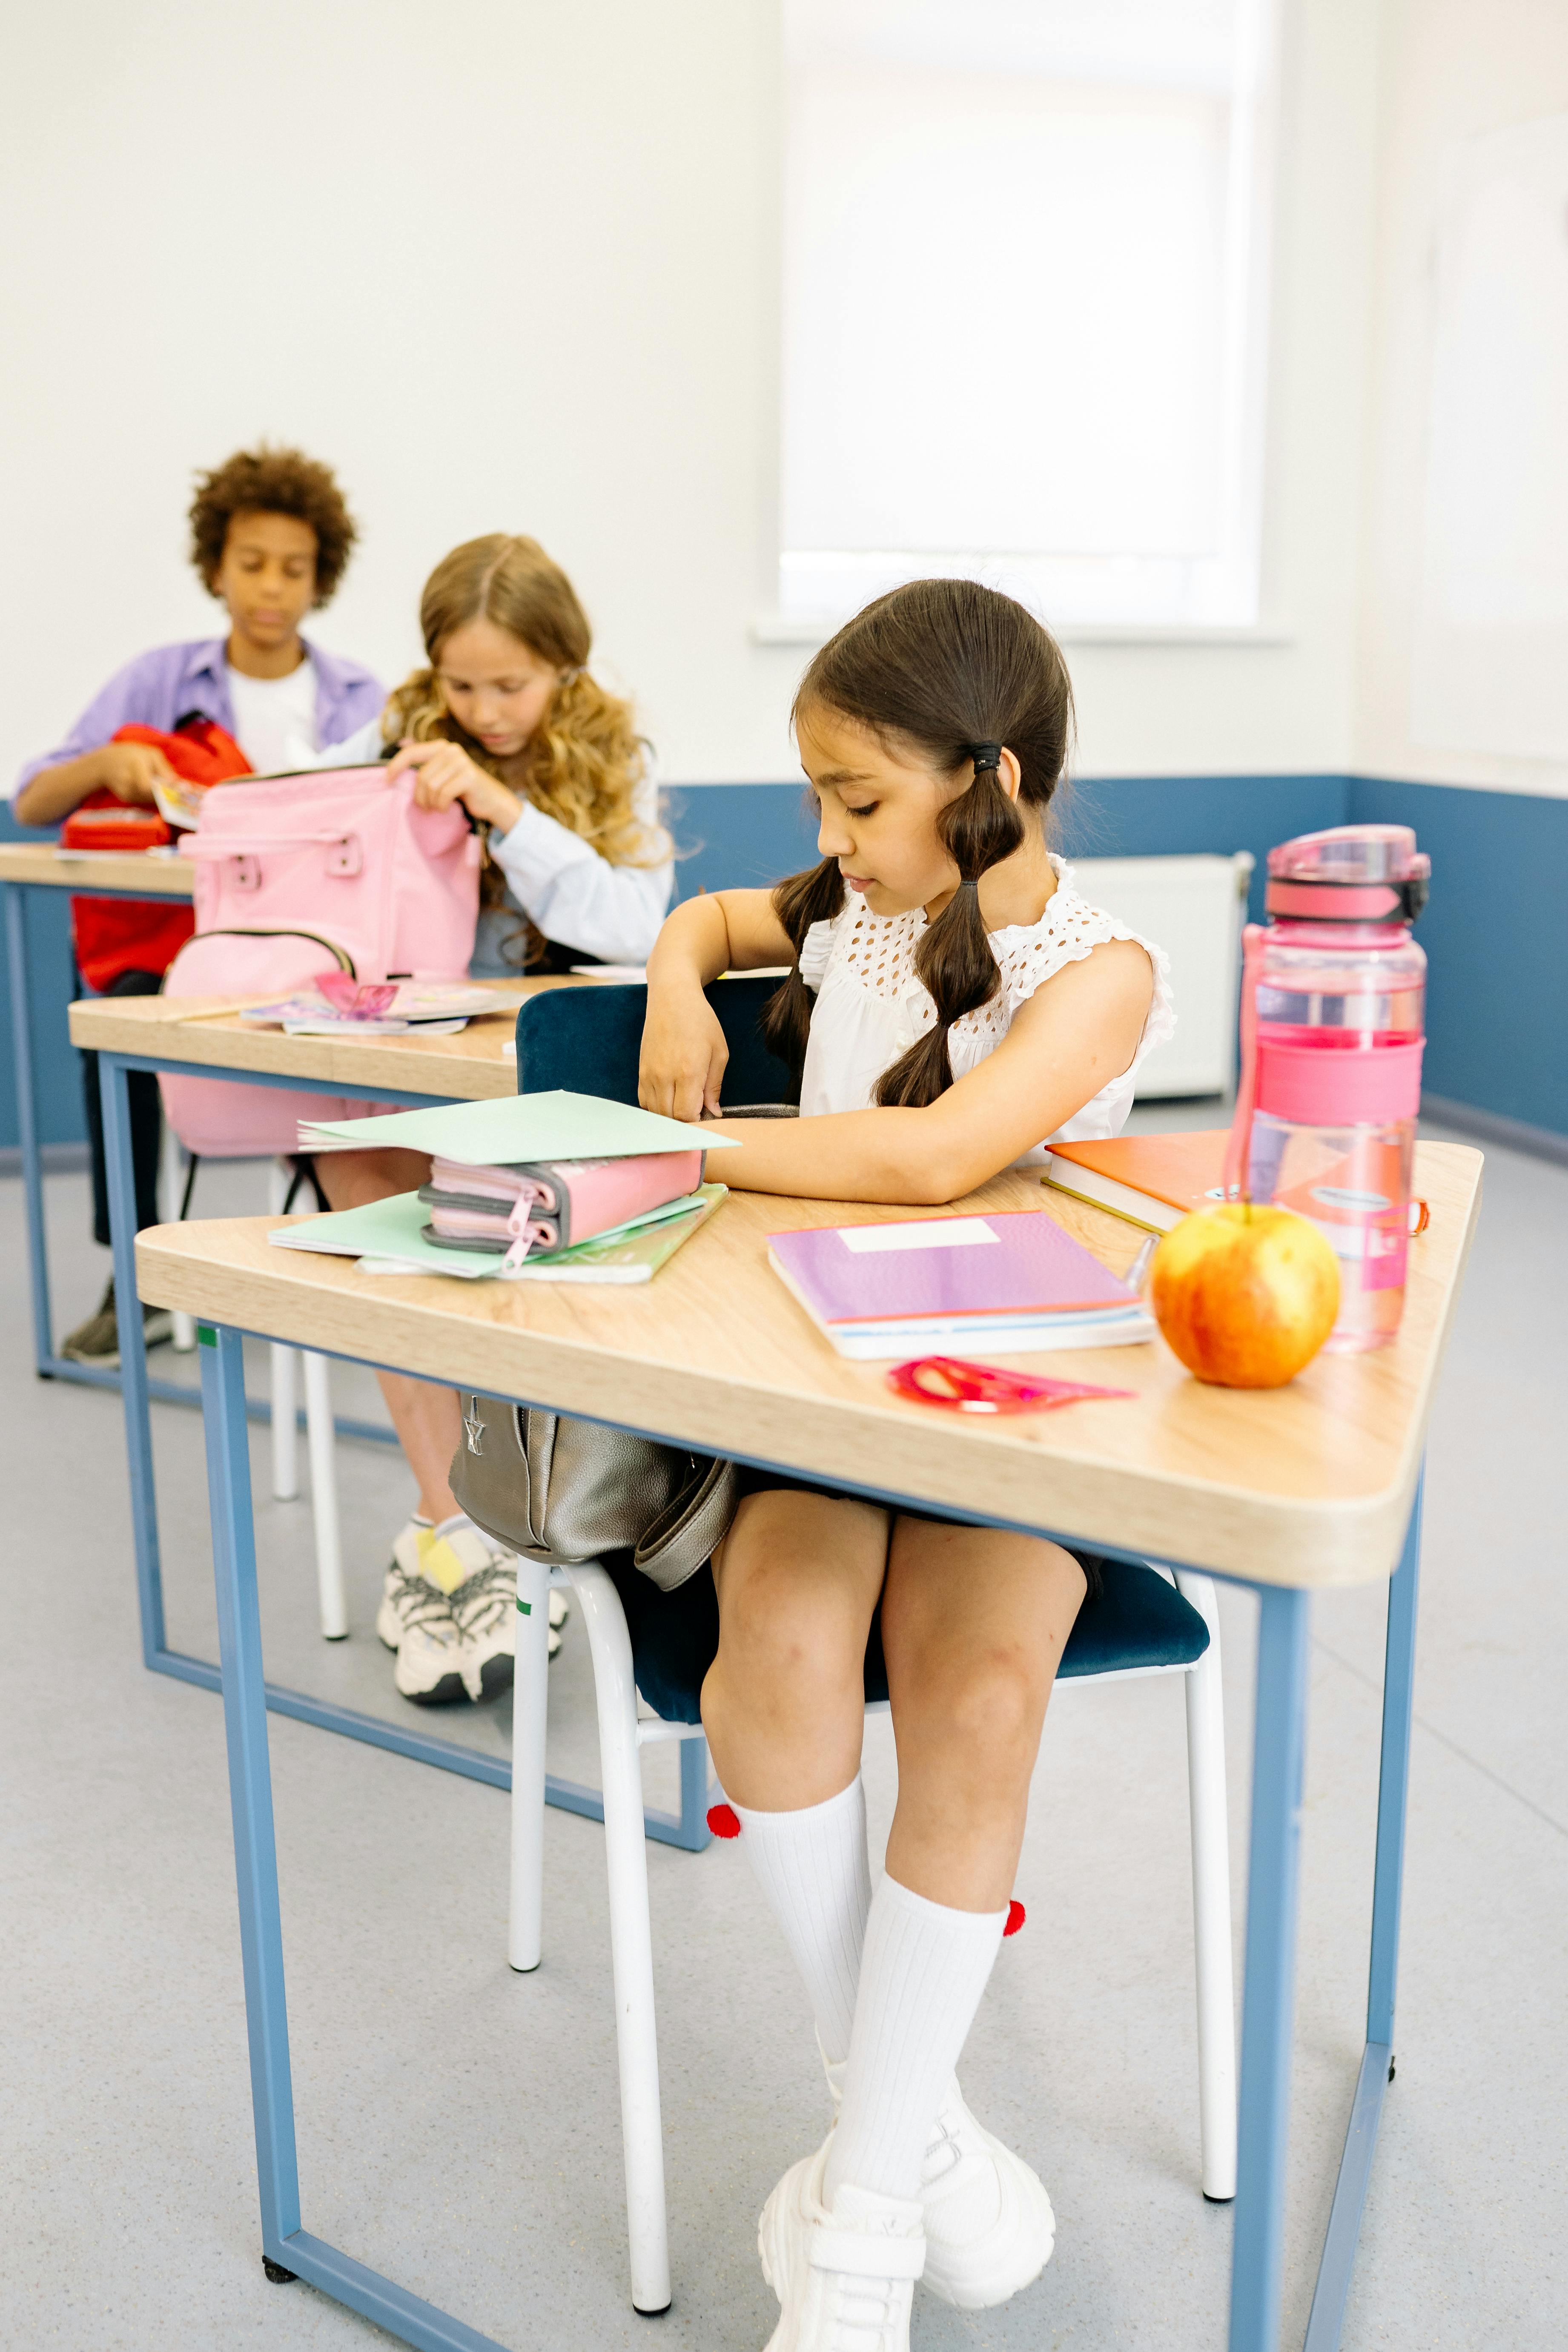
1018,1263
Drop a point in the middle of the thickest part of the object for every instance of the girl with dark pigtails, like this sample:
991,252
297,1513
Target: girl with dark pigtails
952,1006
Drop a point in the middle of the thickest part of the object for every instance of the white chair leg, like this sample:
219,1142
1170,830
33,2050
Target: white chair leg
171,1185
324,1497
1211,1900
530,1703
631,1934
285,1400
285,1424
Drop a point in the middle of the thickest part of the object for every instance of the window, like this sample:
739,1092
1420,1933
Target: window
1023,303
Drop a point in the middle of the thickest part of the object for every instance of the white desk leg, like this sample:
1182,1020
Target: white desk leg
285,1425
170,1187
530,1703
324,1497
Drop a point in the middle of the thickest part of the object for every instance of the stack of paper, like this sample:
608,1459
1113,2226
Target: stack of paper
382,1008
523,1185
1013,1284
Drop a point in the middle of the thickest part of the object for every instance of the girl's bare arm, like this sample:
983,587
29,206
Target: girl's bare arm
683,1047
1080,1030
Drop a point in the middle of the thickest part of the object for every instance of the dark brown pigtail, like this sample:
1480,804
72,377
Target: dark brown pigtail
954,958
799,901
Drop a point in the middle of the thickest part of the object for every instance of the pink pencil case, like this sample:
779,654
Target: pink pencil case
550,1204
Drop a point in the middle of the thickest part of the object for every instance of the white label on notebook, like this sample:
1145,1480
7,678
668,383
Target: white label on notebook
937,1233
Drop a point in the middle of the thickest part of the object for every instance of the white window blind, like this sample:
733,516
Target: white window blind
1024,302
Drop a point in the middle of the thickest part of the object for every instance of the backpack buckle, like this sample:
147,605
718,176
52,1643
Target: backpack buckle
346,857
247,873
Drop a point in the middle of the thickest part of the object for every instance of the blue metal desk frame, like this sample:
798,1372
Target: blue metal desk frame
686,1829
1278,1755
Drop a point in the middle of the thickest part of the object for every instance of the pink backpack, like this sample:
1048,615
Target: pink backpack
333,870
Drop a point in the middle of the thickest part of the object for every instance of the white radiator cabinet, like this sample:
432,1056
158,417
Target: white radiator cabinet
1194,908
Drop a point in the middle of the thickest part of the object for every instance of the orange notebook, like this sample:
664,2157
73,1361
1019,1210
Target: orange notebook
1152,1180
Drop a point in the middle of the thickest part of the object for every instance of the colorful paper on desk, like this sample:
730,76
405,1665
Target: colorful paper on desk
377,1009
553,1126
388,1237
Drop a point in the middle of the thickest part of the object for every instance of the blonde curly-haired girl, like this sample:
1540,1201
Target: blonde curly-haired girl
506,719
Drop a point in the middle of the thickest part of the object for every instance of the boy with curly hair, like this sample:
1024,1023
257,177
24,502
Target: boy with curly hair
270,539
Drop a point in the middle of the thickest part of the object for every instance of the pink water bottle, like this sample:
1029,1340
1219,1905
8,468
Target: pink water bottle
1332,1027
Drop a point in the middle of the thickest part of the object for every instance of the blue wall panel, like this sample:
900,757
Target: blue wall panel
1495,929
735,833
1496,935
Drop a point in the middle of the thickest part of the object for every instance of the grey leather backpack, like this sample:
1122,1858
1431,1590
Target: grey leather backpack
556,1489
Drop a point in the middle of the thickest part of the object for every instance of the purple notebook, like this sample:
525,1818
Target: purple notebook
1021,1263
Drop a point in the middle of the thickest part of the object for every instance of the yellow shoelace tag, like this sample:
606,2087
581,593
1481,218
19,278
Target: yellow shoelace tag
438,1563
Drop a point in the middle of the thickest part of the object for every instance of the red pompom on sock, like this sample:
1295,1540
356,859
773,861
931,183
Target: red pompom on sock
722,1822
1016,1914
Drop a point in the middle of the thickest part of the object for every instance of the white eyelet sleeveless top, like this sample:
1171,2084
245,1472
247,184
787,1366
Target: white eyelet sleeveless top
870,1006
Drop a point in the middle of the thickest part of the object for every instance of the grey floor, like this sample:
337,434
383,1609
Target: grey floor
458,2125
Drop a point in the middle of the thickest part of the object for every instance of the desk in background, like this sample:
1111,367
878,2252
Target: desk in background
27,867
1309,1486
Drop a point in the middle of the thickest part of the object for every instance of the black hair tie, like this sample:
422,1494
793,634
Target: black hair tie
985,756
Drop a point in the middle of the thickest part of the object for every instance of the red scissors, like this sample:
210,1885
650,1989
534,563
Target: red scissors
980,1387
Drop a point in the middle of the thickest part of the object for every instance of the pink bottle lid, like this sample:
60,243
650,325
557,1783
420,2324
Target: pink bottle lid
1349,874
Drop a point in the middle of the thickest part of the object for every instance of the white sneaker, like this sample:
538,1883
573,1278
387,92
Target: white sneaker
844,2275
436,1666
989,2227
485,1606
988,2221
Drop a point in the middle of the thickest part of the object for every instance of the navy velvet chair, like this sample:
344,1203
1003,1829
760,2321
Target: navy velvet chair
1137,1624
587,1040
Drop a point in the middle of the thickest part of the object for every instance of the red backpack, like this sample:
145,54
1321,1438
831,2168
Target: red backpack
113,935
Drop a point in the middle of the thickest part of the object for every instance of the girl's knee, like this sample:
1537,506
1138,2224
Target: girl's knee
989,1705
781,1627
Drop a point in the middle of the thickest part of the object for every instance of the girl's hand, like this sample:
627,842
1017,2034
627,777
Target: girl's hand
683,1054
443,772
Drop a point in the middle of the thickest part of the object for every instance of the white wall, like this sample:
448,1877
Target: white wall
513,266
1452,70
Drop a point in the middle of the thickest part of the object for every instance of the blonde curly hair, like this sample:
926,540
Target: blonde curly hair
584,761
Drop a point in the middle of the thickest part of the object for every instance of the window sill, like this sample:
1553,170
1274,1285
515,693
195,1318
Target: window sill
786,629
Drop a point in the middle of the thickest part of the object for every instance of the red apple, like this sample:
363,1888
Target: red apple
1244,1295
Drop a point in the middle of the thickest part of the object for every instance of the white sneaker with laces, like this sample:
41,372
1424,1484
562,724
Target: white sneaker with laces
844,2274
415,1619
989,2227
485,1606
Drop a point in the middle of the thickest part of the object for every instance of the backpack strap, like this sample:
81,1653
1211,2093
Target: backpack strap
688,1530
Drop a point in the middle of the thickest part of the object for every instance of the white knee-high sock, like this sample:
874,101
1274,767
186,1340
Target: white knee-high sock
921,1974
812,1866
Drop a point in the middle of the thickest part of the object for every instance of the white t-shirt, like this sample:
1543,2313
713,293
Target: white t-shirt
274,719
871,1004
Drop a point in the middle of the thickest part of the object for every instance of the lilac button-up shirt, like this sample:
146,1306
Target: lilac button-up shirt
173,682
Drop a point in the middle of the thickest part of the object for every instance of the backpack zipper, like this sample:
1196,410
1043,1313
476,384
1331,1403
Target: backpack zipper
284,932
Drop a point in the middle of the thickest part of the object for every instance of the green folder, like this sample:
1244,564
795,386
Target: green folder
516,1128
393,1232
